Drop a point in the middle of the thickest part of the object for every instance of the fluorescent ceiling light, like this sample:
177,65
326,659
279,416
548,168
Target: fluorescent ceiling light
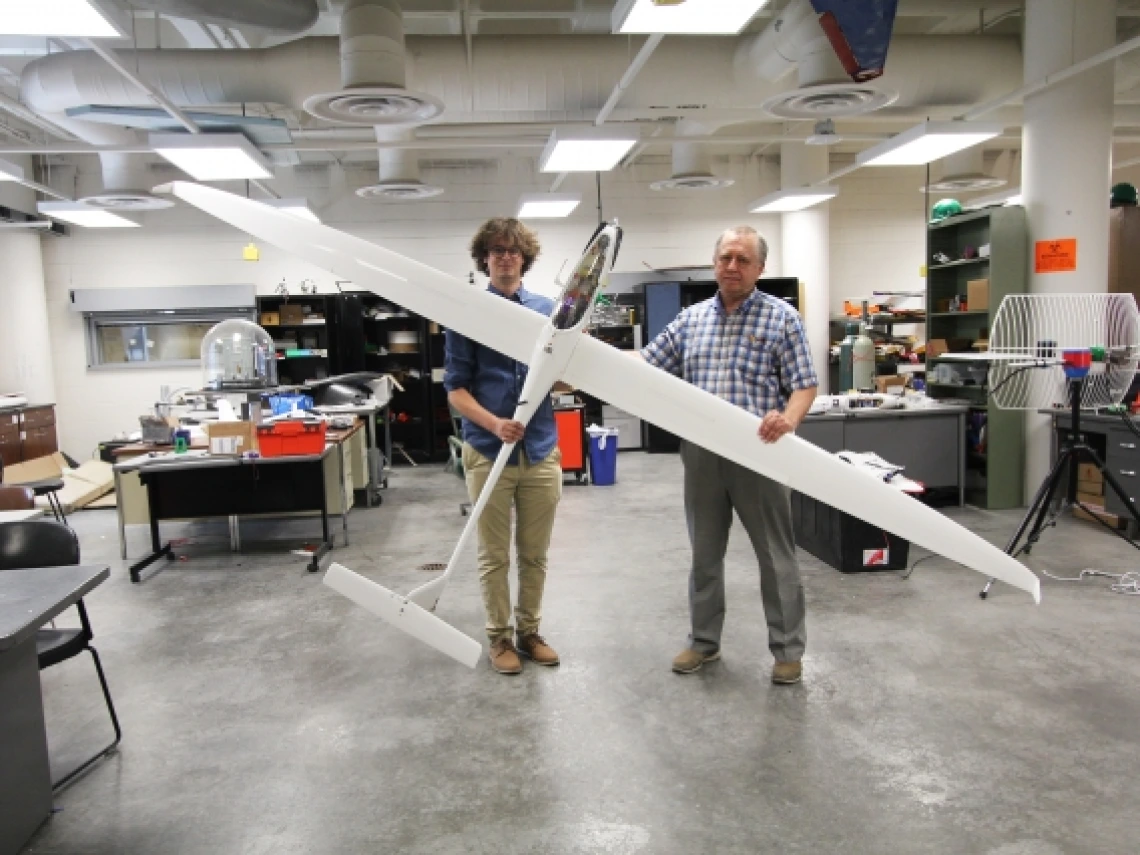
212,157
795,199
534,206
928,142
596,149
90,19
702,17
1005,197
10,171
297,207
79,214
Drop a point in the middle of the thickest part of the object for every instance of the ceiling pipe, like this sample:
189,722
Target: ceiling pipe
283,17
1050,80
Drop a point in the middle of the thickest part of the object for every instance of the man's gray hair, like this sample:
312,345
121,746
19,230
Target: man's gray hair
744,232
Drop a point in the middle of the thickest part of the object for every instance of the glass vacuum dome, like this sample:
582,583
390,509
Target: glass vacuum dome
238,354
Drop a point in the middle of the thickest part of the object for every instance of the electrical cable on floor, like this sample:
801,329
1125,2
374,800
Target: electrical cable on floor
910,572
1127,583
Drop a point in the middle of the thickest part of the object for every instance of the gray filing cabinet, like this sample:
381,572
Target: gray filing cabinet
930,444
1117,446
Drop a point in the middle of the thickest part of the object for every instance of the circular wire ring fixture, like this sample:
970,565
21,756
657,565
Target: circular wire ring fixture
829,100
374,105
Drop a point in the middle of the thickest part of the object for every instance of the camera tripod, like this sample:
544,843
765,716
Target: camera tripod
1041,513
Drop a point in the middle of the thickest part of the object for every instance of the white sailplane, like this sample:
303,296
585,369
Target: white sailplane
554,349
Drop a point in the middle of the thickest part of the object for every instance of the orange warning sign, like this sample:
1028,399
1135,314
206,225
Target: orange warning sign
1056,256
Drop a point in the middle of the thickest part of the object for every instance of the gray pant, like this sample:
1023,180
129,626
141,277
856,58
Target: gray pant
713,488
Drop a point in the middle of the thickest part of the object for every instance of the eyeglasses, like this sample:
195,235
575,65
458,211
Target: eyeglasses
502,251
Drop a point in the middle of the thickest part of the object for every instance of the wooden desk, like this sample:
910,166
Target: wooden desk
28,600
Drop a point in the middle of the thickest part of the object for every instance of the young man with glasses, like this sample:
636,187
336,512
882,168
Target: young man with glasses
484,386
750,349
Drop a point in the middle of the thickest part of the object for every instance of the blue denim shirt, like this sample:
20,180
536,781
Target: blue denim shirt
496,381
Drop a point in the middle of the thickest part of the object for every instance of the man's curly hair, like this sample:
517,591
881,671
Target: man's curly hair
506,230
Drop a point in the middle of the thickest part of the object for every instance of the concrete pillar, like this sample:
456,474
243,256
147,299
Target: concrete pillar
805,251
1066,165
25,340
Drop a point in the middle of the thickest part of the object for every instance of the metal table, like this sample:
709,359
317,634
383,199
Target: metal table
195,485
28,600
379,462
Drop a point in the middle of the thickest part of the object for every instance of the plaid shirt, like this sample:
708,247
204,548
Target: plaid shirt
754,358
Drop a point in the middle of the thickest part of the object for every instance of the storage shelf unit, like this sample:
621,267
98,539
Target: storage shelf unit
418,416
994,477
332,345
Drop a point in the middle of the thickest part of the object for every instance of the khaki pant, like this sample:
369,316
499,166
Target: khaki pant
534,490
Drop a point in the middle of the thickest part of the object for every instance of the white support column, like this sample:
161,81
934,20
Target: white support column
805,248
25,340
1066,165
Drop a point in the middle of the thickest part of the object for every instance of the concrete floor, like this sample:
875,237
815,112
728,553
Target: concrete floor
263,713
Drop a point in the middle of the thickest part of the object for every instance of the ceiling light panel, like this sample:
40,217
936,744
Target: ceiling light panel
533,206
296,207
585,150
695,17
10,171
212,157
928,142
90,19
79,214
797,199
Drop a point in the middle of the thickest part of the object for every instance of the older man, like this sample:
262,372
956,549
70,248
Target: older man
750,349
484,386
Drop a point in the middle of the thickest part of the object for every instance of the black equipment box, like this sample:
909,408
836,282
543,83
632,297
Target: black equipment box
842,541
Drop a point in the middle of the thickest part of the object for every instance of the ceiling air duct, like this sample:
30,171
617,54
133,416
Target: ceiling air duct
964,172
692,164
796,40
399,171
373,71
284,17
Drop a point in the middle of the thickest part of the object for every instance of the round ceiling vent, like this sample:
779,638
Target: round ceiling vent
400,191
965,183
692,182
127,200
374,105
829,100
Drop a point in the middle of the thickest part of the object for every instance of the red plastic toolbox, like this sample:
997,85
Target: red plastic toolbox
291,437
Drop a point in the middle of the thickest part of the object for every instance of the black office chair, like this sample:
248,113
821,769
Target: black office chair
48,488
43,543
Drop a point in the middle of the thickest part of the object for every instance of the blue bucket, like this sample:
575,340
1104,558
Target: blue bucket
603,455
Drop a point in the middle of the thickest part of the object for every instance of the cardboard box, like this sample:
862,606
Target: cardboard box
978,294
291,313
936,347
39,469
1089,472
270,319
231,438
1111,520
893,384
1091,488
1093,500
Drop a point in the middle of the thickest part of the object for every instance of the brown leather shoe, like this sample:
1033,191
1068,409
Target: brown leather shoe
534,646
787,673
688,661
504,658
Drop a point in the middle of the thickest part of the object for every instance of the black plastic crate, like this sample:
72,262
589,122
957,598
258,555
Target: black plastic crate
842,541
